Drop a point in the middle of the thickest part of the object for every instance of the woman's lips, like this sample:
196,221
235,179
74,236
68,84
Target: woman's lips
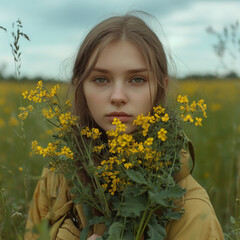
122,116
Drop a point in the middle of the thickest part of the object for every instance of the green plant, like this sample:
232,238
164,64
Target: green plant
15,45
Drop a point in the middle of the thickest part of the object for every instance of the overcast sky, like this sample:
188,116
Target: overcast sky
57,27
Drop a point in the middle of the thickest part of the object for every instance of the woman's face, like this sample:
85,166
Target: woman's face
119,86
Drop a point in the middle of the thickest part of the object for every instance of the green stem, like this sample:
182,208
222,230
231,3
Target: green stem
103,195
139,231
173,164
124,223
76,140
51,122
92,203
146,222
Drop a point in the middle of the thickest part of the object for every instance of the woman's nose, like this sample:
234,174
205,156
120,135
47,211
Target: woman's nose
118,95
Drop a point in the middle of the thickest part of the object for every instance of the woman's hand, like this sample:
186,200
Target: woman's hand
93,237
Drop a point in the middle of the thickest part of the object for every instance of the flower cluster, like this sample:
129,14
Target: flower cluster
187,110
66,122
25,112
51,150
40,94
146,121
94,133
119,128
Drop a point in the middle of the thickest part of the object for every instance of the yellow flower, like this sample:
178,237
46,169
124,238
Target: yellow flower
165,118
95,133
68,104
23,115
158,110
149,141
25,94
182,99
198,121
98,148
53,167
121,127
39,84
43,93
104,186
202,106
128,165
84,131
30,108
140,147
116,121
34,144
49,114
67,152
162,134
67,120
188,117
20,169
193,106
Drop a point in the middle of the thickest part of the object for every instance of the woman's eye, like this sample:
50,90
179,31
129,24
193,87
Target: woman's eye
138,80
100,80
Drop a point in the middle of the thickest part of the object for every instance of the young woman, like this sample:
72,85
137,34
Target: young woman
120,71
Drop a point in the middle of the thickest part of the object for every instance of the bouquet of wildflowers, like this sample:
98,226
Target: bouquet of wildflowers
130,177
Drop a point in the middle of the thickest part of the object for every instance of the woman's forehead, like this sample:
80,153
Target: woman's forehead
118,52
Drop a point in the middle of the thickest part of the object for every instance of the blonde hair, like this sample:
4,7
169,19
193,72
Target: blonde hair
127,27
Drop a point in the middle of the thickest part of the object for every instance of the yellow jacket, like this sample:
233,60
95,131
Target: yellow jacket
53,201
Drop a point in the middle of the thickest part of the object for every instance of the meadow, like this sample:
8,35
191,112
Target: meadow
216,145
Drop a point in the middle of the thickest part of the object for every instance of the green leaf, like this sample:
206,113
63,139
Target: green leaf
115,231
135,190
97,220
84,233
162,197
155,230
132,207
173,215
175,191
136,176
129,233
158,197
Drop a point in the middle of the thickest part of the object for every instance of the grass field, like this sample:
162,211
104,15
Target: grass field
217,149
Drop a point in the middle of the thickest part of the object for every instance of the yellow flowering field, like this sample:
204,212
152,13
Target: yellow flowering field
216,145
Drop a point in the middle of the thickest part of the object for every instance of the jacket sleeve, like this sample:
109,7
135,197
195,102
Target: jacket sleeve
198,224
52,201
199,221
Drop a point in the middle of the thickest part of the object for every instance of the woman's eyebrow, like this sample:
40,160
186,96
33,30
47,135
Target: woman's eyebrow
137,70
